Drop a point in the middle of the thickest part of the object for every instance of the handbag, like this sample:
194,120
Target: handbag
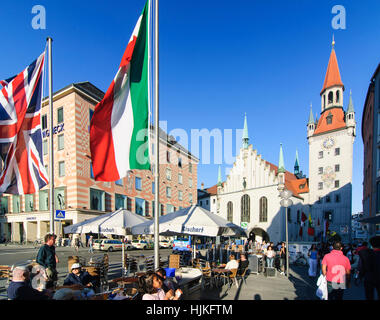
322,288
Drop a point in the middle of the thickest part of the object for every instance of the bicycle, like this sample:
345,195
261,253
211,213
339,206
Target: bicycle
300,260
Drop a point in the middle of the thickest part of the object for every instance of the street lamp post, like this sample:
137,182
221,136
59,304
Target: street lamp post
286,202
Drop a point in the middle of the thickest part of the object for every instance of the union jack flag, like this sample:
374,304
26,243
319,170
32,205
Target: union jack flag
20,131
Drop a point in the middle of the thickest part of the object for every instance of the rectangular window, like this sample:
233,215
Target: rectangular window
61,141
29,203
180,195
169,208
168,173
190,197
97,199
3,205
328,215
44,122
337,151
61,168
91,171
60,198
180,162
168,156
337,198
336,183
328,199
168,192
16,203
320,170
91,114
337,168
320,155
190,182
179,178
120,201
119,182
190,167
140,206
44,200
320,185
138,183
60,115
153,187
45,147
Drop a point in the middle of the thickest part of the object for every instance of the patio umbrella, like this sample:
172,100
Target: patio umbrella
194,221
119,223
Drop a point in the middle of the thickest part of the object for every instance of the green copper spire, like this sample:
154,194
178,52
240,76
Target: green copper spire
245,133
311,118
219,177
296,165
350,104
281,165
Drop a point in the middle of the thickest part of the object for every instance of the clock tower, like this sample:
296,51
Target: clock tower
331,140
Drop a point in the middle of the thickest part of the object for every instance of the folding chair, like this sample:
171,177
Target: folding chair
242,276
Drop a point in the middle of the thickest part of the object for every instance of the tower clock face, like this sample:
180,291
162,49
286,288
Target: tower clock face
328,143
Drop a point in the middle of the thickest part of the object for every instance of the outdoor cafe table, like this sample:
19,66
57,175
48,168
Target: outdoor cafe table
125,280
219,272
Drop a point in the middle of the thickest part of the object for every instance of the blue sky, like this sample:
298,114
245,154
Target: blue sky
218,60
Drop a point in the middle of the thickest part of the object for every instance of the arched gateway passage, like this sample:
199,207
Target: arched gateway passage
258,234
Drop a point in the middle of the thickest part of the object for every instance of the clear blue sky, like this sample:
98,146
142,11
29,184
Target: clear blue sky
218,60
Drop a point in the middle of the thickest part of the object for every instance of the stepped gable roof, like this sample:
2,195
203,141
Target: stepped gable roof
296,186
332,77
337,120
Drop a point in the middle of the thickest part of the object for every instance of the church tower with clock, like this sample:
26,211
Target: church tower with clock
331,139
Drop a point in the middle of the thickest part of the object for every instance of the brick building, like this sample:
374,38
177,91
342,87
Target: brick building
27,217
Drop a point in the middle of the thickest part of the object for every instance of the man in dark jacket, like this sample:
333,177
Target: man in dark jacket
369,268
77,276
21,289
47,258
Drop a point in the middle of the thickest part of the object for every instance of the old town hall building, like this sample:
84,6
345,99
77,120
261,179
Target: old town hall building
250,198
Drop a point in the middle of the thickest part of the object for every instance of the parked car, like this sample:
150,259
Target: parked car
166,244
110,245
142,244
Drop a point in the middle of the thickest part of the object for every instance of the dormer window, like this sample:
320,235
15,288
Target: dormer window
329,118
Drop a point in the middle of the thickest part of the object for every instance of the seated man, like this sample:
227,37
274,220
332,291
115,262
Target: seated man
21,289
243,264
77,276
232,264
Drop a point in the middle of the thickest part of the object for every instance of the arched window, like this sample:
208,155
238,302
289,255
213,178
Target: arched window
331,97
337,96
229,211
245,208
263,209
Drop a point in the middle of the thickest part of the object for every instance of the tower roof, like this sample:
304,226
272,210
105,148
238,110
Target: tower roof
350,108
297,163
245,133
332,77
311,118
281,165
219,176
337,121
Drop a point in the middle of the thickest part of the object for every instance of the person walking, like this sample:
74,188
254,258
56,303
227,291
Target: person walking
47,258
90,244
76,243
369,268
313,261
336,267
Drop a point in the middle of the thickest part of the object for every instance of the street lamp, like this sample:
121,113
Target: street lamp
286,202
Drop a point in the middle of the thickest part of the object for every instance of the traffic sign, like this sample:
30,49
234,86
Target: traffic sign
60,214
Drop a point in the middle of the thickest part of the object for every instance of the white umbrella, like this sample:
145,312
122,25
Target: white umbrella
193,220
119,223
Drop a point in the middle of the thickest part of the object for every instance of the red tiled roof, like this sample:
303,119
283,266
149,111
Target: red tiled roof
212,190
338,121
332,77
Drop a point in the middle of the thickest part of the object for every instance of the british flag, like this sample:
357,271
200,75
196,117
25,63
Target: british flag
20,131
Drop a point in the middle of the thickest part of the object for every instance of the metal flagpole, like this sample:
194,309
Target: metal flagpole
51,182
156,145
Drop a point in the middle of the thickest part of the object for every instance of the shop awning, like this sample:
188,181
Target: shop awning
374,220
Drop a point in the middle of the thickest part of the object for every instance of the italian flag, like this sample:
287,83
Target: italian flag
119,126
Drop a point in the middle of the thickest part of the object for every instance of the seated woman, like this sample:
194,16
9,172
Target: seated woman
151,287
243,264
77,276
270,254
167,284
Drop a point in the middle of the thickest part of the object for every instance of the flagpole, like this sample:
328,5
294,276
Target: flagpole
51,157
156,145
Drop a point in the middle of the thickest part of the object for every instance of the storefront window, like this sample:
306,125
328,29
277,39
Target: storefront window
60,198
120,201
29,203
44,200
16,203
97,200
140,206
3,205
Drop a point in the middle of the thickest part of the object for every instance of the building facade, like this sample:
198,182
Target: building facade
27,217
371,167
249,197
